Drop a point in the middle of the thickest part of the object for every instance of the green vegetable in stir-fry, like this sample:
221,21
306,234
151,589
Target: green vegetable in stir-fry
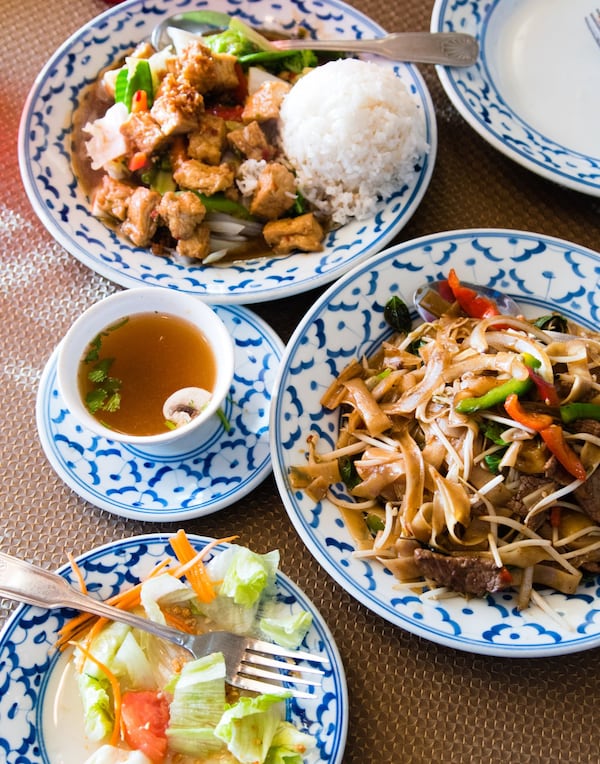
397,315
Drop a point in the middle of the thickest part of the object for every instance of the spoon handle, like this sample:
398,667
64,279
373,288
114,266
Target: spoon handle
447,48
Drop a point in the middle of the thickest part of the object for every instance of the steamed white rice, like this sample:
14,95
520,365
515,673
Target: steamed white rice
353,134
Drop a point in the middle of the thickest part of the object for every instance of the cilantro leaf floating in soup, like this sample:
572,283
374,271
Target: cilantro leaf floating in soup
220,148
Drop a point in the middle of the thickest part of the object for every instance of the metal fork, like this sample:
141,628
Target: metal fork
593,24
250,664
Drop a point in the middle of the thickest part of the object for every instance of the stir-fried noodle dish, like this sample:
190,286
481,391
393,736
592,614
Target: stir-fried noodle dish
467,453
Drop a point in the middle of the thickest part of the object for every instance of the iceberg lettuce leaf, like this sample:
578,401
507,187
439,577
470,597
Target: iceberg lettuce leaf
290,745
98,715
163,590
197,706
249,726
286,629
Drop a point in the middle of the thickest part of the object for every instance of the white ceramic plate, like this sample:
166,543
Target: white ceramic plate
30,674
347,322
44,157
533,94
206,472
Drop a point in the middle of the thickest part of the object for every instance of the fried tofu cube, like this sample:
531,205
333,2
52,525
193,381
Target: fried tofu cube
206,178
143,133
207,71
182,213
251,141
111,198
177,106
196,246
207,142
303,233
142,219
275,192
266,101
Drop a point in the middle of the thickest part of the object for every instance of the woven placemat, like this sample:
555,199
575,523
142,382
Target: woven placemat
410,700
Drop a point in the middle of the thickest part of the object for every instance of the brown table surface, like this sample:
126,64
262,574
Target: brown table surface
410,700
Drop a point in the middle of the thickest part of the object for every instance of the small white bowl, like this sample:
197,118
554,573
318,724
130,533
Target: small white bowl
131,302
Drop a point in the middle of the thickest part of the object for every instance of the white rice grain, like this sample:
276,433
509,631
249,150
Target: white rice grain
353,134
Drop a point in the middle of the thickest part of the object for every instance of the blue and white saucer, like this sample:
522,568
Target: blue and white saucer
213,468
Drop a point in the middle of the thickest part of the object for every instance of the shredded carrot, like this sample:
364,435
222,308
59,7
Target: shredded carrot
125,600
116,689
93,632
196,574
195,570
78,573
191,565
177,622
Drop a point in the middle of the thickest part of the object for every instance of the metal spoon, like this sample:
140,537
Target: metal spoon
188,22
447,48
430,299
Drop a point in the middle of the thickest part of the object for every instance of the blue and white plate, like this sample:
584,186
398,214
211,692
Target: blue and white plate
33,731
53,190
204,473
533,94
347,322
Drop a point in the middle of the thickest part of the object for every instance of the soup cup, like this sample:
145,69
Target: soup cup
128,303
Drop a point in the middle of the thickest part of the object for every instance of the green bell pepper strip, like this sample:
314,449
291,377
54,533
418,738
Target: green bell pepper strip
497,395
572,411
220,203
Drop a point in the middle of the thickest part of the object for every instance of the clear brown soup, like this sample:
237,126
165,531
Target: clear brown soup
154,355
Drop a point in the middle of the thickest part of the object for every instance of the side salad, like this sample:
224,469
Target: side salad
145,701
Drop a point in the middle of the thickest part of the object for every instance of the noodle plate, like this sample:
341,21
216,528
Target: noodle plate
467,455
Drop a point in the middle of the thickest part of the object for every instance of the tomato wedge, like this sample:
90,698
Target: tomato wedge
144,718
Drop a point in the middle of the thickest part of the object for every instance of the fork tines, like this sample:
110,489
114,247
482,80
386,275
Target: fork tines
260,646
280,671
593,24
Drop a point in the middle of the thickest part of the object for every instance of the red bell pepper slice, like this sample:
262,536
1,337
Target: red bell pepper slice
554,438
138,161
531,419
546,390
229,113
473,304
139,102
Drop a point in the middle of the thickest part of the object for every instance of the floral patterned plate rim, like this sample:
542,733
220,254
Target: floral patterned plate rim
193,478
532,93
44,146
30,672
541,273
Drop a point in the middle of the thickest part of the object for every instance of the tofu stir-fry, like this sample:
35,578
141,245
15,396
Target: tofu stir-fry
179,153
468,451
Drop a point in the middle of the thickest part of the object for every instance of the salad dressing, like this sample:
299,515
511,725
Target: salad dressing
62,710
